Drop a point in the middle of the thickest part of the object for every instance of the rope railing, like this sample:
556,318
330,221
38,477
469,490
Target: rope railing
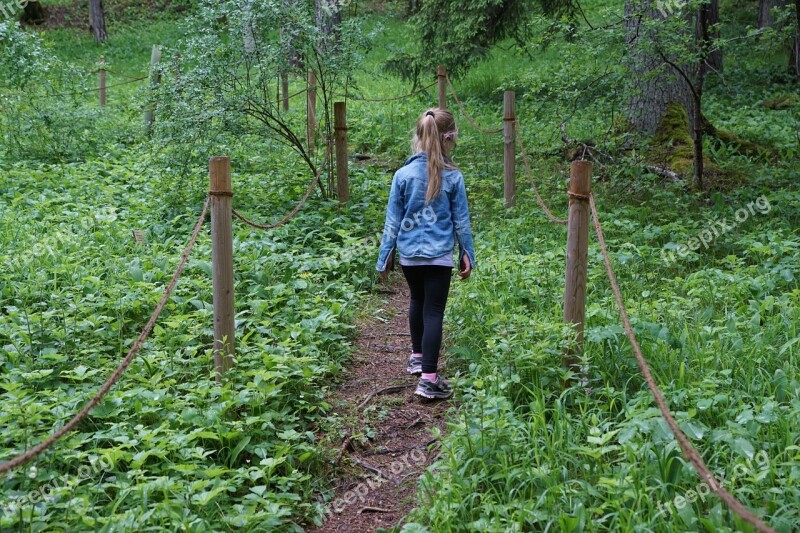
472,121
688,450
300,204
298,93
393,98
121,75
37,450
539,198
92,90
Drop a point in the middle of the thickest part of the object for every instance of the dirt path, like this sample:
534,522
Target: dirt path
389,441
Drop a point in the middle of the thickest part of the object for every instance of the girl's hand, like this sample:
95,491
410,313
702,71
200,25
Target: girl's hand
466,267
389,266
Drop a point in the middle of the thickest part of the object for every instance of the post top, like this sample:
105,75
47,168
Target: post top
582,163
580,180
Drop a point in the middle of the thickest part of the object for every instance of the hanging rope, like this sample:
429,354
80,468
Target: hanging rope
299,205
539,198
466,115
87,91
409,95
115,73
688,450
298,93
23,458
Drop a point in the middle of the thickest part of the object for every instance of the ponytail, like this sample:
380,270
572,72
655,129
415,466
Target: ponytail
432,127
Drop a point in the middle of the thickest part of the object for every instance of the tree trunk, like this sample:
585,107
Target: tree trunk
715,56
33,13
248,30
655,85
706,33
329,19
97,20
704,44
795,57
765,18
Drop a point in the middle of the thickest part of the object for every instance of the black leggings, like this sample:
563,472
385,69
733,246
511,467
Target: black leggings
429,286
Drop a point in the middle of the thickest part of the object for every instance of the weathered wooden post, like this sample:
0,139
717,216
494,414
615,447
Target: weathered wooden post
340,127
222,263
509,155
311,106
441,77
177,69
580,186
285,90
101,73
155,79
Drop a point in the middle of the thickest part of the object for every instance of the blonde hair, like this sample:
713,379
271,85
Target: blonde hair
434,126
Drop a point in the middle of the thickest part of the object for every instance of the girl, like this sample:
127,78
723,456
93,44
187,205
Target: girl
427,207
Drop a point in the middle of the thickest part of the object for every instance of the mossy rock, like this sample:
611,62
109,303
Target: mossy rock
780,103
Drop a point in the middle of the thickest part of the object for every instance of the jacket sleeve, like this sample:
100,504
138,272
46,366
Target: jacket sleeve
462,227
394,212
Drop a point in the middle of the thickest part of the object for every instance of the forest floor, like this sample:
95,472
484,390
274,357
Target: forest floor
388,439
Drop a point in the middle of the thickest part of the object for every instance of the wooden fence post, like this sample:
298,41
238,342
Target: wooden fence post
285,90
155,79
222,263
101,73
441,76
311,107
177,69
580,186
509,155
340,127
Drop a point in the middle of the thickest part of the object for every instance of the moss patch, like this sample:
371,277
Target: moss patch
673,145
674,127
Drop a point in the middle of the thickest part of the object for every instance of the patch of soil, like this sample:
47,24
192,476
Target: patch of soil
388,430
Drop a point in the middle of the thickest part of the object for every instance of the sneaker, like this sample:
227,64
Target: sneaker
429,389
414,365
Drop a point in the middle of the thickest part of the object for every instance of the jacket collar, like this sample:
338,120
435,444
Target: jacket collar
423,158
419,156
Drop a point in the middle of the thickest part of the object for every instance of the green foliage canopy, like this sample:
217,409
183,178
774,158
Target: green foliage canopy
460,34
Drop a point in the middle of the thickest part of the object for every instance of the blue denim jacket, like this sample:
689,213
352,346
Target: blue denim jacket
430,230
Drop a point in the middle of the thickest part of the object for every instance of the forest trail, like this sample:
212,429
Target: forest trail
389,441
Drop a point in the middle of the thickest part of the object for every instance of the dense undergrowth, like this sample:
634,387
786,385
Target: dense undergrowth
718,325
180,452
170,450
